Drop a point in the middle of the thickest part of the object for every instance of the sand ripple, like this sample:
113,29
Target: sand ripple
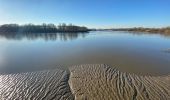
101,82
84,82
44,85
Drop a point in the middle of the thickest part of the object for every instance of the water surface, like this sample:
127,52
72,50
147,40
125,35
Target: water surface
139,53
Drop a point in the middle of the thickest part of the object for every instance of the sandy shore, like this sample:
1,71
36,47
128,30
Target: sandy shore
101,82
43,85
84,82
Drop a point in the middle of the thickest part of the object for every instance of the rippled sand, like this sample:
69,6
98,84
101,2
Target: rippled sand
101,82
44,85
84,82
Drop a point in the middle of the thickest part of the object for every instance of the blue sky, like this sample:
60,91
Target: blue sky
91,13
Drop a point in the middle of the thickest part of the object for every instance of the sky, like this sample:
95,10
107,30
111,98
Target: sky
90,13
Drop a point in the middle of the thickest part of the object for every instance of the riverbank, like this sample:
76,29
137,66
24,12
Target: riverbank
44,28
148,30
89,81
167,50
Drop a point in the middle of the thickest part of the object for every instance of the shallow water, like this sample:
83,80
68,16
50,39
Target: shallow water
139,53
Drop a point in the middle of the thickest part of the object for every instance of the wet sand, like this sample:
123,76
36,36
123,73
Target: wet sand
101,82
43,85
84,82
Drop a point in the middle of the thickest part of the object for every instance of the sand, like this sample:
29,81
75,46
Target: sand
84,82
43,85
101,82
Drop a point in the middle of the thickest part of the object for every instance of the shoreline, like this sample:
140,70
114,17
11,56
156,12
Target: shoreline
165,31
43,28
89,81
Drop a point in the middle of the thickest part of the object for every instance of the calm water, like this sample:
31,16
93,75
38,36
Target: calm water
131,52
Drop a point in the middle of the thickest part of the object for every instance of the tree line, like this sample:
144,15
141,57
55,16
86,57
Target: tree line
165,30
44,28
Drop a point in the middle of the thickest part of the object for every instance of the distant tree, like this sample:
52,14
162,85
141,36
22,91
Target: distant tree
44,28
9,28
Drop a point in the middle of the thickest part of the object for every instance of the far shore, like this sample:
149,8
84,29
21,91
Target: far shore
167,50
43,28
165,30
64,28
148,30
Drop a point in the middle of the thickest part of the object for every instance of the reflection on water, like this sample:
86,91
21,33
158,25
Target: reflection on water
44,36
139,53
